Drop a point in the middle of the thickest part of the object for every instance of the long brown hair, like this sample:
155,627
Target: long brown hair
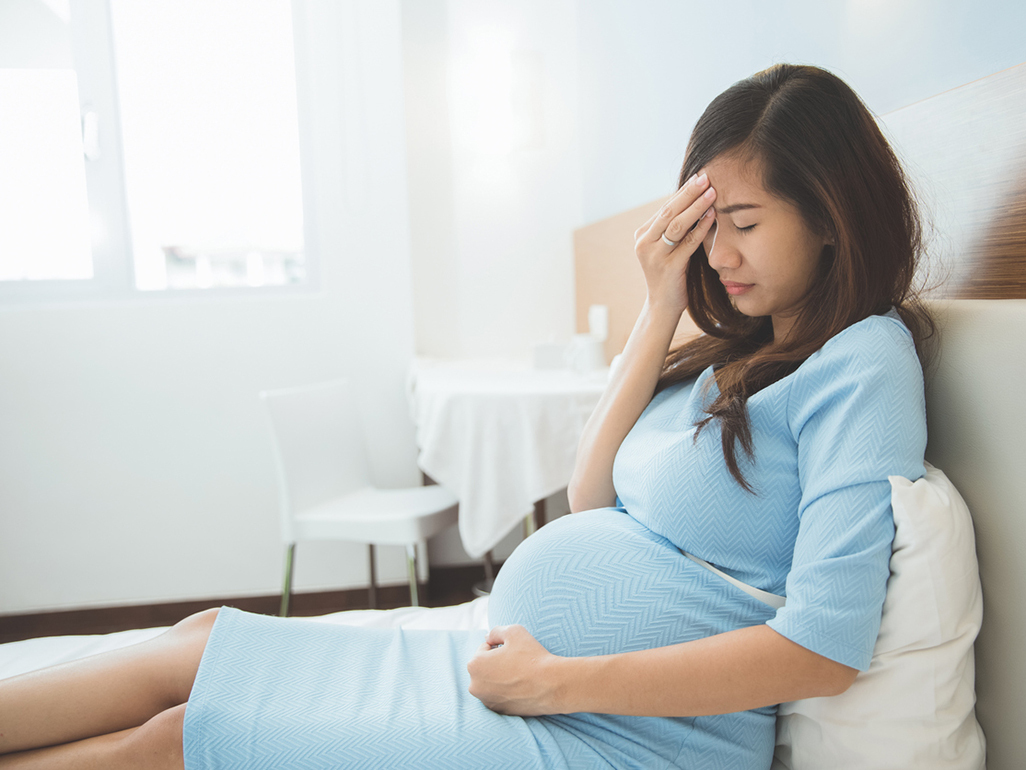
821,150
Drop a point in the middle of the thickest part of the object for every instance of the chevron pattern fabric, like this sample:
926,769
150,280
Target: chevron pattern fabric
819,528
274,693
288,694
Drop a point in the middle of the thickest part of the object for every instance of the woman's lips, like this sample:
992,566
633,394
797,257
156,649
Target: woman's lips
733,287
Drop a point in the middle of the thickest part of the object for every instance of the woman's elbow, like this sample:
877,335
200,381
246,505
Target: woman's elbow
573,496
838,679
812,675
583,498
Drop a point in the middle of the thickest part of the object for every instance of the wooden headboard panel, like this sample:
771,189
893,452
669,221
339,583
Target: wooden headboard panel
965,153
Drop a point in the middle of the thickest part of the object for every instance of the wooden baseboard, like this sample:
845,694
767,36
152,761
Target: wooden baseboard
448,585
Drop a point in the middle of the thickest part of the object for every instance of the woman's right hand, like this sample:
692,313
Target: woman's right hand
512,673
685,219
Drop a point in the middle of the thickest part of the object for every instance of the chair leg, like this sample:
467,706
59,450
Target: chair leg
286,589
422,559
484,587
411,570
373,577
489,569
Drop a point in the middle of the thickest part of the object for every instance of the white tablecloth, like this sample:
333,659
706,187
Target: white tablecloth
499,435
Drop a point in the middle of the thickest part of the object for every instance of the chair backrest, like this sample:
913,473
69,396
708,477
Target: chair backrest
976,425
319,446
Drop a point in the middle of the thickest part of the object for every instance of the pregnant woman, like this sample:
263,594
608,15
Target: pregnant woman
649,629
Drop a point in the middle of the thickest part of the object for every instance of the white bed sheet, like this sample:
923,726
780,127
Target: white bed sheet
32,654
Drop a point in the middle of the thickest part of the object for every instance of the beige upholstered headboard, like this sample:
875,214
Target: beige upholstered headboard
965,151
976,422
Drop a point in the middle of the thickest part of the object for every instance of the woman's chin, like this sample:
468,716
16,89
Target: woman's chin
746,306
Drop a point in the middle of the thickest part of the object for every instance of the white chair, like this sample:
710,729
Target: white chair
325,490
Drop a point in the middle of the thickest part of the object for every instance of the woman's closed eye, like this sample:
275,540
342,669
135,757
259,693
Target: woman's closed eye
744,229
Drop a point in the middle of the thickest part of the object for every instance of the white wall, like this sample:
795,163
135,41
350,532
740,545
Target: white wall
134,456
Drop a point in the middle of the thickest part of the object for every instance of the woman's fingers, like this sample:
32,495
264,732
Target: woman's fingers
680,213
497,635
694,236
688,190
508,673
685,226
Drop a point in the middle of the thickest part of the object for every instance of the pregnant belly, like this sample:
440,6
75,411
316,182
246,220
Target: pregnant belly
599,582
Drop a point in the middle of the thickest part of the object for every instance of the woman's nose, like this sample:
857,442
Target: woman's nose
721,254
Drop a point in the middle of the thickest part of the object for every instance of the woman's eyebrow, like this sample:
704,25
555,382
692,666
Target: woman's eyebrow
737,207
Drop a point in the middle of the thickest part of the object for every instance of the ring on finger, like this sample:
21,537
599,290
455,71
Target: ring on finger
668,242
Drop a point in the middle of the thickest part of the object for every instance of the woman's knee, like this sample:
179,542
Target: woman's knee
188,640
157,744
197,624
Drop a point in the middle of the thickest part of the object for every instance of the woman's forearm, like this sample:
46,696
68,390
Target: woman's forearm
735,671
664,245
623,401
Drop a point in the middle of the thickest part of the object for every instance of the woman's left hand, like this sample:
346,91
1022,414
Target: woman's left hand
512,673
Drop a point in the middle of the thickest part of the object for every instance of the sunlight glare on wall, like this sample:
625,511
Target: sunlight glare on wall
480,93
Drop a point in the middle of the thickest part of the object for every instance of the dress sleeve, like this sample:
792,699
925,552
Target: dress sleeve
858,414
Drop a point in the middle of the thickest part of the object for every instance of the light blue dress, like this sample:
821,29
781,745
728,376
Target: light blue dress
274,693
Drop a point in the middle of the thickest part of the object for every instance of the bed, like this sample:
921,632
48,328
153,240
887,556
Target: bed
975,417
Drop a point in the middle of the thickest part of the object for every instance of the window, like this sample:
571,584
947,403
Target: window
42,166
41,163
148,147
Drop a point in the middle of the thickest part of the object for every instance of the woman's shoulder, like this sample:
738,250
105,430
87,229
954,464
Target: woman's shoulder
876,342
861,404
876,355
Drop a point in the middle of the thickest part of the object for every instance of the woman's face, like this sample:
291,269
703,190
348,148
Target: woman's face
765,254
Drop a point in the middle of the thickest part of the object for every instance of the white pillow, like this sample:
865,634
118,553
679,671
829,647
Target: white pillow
915,706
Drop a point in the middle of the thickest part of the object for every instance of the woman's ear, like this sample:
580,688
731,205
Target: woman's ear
826,255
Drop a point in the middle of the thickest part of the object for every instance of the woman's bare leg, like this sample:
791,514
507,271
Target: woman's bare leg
105,693
156,745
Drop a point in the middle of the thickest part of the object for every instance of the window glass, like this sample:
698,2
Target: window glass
44,210
207,101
